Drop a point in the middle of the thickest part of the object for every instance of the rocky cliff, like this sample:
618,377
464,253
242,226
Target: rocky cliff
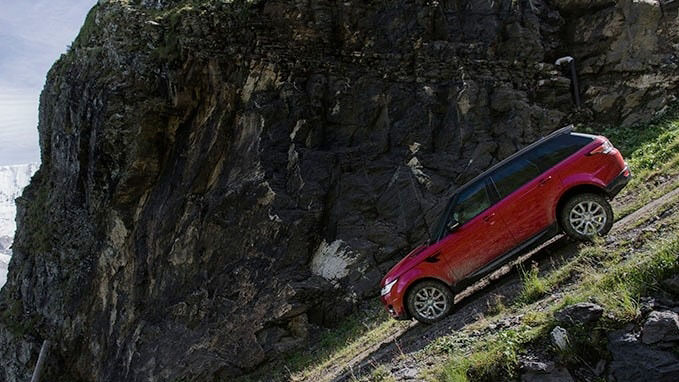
218,178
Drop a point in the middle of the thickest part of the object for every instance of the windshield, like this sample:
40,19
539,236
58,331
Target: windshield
440,230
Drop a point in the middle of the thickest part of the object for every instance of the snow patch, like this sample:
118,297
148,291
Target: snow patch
4,263
332,261
13,179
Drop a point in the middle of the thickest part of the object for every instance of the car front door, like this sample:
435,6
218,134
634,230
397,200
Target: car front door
526,197
480,234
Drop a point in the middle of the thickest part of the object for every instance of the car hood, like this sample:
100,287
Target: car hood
409,261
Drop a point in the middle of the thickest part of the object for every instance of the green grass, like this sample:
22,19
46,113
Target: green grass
492,359
619,288
534,286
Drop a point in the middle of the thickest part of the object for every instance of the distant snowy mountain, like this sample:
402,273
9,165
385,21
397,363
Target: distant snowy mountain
13,179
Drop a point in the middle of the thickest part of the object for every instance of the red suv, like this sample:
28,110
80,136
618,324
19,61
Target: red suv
559,183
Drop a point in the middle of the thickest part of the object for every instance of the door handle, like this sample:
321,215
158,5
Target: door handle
488,218
545,180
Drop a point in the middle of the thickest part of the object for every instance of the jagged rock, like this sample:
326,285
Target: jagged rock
661,326
579,314
559,337
635,361
214,171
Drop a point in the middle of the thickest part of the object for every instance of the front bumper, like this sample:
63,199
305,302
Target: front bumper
620,181
395,307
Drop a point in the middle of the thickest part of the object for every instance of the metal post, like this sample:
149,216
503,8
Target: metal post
41,361
574,77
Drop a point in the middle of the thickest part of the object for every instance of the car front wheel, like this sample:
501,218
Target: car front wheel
430,301
586,215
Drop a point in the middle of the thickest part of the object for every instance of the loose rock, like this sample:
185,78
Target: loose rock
661,326
634,361
579,314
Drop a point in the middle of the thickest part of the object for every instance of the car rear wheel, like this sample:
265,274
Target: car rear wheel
429,301
585,216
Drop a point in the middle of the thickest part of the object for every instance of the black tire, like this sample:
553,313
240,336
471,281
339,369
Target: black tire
432,310
585,216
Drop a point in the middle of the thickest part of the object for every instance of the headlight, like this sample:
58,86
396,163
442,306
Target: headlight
387,288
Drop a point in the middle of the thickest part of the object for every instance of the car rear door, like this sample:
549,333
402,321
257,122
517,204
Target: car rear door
481,235
526,196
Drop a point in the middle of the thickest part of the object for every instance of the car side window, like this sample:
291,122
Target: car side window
471,202
513,175
553,151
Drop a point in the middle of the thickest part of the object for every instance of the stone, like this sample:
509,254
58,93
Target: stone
632,360
583,313
409,373
559,337
660,326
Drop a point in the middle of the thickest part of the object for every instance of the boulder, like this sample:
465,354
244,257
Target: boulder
634,361
661,326
579,314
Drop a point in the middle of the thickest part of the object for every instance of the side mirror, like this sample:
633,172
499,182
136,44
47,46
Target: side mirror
452,225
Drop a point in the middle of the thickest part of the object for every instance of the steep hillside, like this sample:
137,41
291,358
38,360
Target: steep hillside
220,179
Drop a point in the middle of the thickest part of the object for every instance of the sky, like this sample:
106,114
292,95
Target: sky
33,34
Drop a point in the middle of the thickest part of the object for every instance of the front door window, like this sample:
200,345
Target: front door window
471,202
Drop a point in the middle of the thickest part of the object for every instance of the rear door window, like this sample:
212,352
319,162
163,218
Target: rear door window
471,202
553,151
513,175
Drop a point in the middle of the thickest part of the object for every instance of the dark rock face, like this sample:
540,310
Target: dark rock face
219,177
583,313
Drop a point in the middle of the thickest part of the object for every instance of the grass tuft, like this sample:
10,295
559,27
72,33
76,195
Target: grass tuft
534,286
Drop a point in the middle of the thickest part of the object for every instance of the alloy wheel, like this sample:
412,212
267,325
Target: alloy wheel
587,218
431,303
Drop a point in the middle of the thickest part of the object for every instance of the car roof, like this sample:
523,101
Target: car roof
562,131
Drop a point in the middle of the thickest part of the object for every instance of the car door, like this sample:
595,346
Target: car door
526,197
480,235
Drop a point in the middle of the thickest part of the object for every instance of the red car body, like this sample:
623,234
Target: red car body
525,217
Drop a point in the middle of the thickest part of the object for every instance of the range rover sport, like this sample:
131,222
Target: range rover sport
561,183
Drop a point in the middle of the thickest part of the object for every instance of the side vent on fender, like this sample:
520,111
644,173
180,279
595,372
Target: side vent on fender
433,258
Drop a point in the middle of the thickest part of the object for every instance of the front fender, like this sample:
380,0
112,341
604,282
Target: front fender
415,275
